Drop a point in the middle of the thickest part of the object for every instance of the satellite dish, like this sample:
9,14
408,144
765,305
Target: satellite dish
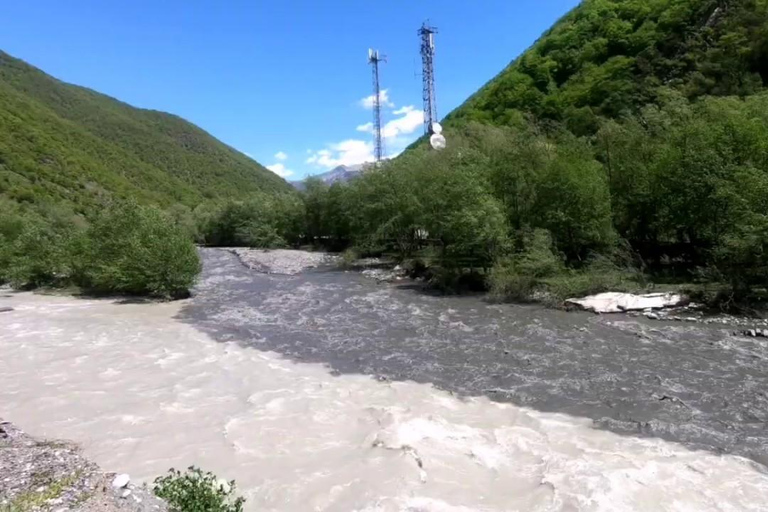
370,53
436,128
437,141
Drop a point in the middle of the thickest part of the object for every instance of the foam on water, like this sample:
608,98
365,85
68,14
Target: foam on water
143,392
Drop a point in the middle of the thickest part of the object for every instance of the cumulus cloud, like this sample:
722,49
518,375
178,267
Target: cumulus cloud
396,132
366,128
409,121
348,152
280,170
384,100
281,156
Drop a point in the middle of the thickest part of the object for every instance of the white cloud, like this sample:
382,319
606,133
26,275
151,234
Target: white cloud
384,100
348,152
355,151
410,120
280,170
366,128
281,156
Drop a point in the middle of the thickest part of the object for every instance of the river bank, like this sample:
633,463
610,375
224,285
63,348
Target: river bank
45,474
418,402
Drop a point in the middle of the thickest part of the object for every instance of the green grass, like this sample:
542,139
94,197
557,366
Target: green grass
34,499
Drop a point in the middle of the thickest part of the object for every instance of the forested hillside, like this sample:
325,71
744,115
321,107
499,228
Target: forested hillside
606,58
67,145
628,146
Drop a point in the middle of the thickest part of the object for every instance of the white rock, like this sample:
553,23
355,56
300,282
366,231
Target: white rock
615,302
652,316
121,481
126,493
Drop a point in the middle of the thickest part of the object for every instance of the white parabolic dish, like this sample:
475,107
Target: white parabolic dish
436,128
437,141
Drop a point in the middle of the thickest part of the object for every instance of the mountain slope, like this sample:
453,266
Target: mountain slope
339,174
64,143
607,57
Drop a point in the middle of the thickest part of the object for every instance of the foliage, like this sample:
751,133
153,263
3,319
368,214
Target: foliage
600,274
606,58
137,250
263,221
63,144
519,276
197,491
36,245
128,249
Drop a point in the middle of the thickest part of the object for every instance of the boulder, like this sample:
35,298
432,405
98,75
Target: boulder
616,302
122,480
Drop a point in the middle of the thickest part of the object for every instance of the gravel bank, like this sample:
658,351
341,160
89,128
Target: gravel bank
42,475
282,261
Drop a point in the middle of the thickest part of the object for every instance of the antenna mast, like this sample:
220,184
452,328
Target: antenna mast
427,34
373,59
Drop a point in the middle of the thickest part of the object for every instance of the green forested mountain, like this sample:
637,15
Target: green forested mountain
69,145
608,57
630,140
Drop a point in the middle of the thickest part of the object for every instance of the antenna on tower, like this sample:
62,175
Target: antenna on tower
373,59
427,34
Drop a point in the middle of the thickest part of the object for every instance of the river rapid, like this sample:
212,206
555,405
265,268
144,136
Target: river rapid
327,391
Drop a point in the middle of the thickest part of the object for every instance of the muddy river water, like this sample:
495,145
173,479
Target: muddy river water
327,391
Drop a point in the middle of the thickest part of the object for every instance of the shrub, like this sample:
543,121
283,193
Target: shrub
35,245
39,256
517,277
264,222
137,250
348,258
601,274
196,491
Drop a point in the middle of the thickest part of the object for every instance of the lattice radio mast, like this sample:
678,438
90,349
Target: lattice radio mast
427,34
373,59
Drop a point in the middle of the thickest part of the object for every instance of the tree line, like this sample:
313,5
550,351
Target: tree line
676,193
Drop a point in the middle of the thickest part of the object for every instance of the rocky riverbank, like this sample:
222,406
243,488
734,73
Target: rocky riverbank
52,475
282,261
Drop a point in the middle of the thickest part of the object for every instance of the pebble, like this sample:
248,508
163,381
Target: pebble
121,481
753,333
126,493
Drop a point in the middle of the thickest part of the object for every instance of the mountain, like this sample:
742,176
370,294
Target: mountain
608,57
341,174
60,143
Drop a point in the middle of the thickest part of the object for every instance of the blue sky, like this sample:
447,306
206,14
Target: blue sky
282,81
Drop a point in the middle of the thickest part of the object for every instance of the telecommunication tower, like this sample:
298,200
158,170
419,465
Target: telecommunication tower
427,34
373,59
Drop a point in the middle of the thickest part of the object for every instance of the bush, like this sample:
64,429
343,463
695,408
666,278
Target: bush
348,258
196,491
138,250
538,273
601,274
518,277
263,222
39,256
36,246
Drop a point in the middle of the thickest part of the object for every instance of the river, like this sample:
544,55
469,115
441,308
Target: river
327,391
